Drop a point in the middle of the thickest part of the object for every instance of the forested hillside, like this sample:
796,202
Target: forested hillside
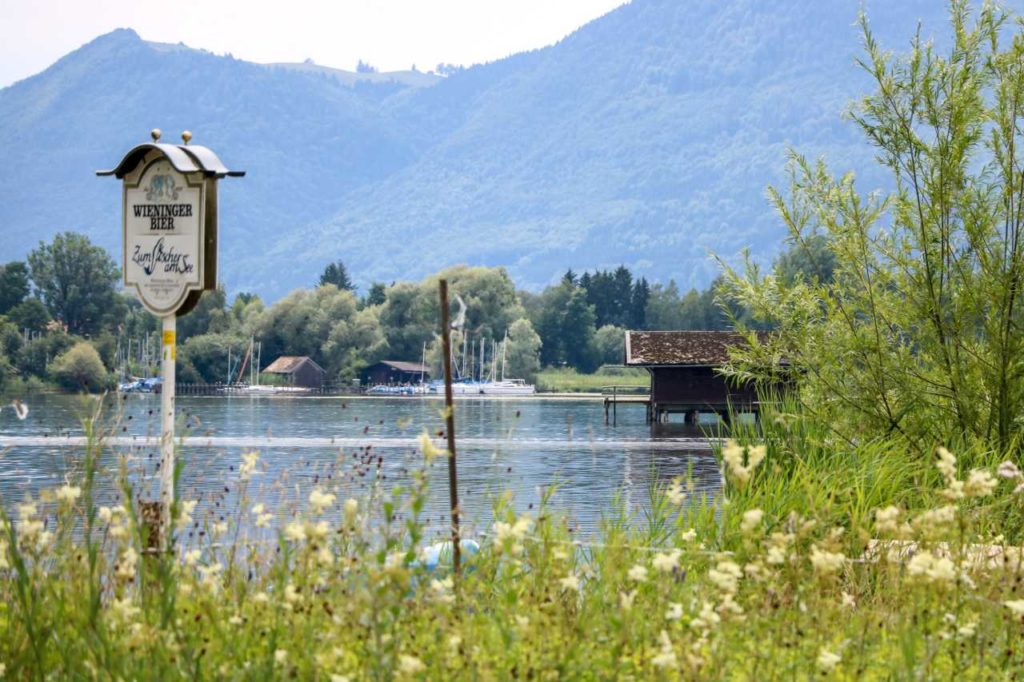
646,138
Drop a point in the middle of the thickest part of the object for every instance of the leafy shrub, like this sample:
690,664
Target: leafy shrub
81,369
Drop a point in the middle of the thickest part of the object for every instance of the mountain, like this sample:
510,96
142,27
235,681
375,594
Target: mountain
646,137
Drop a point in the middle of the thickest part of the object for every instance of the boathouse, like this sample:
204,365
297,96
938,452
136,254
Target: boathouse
300,370
684,379
391,372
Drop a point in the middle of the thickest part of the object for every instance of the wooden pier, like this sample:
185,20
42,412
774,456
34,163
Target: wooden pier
625,395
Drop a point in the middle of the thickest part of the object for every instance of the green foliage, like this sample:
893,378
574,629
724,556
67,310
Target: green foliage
30,314
13,285
210,316
204,357
522,354
336,274
81,369
376,295
35,357
610,345
920,333
75,279
565,323
568,380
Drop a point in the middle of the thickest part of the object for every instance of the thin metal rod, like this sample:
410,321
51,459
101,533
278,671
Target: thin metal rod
167,427
453,478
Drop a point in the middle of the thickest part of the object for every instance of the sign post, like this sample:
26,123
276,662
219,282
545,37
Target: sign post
169,256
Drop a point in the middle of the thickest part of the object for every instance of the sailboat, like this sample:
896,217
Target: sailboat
505,386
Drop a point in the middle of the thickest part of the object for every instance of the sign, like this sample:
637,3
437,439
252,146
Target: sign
164,233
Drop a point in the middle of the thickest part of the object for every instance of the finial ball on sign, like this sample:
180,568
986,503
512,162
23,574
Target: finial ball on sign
155,134
186,136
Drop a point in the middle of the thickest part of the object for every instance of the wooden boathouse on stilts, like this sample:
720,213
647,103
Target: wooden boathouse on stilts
684,377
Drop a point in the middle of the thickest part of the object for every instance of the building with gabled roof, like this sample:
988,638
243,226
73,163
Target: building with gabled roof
301,370
684,378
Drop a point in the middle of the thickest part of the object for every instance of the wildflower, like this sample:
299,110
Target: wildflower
827,660
291,595
848,601
27,510
248,467
931,568
351,509
826,562
1016,606
706,619
192,557
726,575
410,665
318,530
340,678
295,531
732,455
429,450
68,493
1009,470
263,520
235,620
220,528
666,562
980,483
675,611
185,513
688,536
887,519
319,501
523,622
570,582
123,609
967,630
105,514
280,656
626,600
675,493
666,657
126,566
638,573
751,520
935,520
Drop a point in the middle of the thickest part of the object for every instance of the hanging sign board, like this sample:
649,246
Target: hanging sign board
170,222
164,234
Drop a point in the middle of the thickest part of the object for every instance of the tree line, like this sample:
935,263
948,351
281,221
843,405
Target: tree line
63,320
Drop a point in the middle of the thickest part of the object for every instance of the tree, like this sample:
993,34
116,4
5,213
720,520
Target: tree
13,285
638,304
336,274
376,295
522,353
210,316
76,281
610,345
80,369
918,333
30,314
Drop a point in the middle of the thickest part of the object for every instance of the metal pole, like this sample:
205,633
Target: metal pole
167,426
453,478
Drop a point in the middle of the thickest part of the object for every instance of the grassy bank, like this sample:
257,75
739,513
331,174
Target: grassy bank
819,561
568,380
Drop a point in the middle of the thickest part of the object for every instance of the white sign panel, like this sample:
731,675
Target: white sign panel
163,234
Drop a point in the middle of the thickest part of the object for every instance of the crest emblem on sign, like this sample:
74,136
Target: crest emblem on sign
162,188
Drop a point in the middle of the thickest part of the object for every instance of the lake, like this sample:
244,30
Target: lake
353,445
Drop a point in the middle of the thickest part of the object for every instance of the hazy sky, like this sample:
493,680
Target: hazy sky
390,34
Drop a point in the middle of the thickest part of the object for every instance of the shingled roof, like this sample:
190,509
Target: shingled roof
408,367
695,348
288,364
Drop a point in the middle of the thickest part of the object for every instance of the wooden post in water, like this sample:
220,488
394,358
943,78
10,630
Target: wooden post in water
453,478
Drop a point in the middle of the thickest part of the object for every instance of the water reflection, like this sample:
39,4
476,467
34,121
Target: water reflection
522,446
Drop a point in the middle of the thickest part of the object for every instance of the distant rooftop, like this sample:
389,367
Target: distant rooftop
287,364
692,348
410,367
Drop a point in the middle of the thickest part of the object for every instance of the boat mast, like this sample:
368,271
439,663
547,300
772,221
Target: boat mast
504,345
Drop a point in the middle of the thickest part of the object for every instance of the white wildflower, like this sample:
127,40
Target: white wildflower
626,600
732,455
570,582
248,467
319,501
726,576
192,557
295,531
1016,606
827,660
410,665
675,611
638,573
751,520
280,657
980,483
127,564
351,509
675,493
666,657
429,450
666,562
688,536
826,562
67,493
1009,470
185,513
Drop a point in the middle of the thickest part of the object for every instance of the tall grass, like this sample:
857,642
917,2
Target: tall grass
568,380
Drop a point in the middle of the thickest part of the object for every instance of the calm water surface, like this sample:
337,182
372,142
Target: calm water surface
350,445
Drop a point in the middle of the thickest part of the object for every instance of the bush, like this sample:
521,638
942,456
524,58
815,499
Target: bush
80,369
